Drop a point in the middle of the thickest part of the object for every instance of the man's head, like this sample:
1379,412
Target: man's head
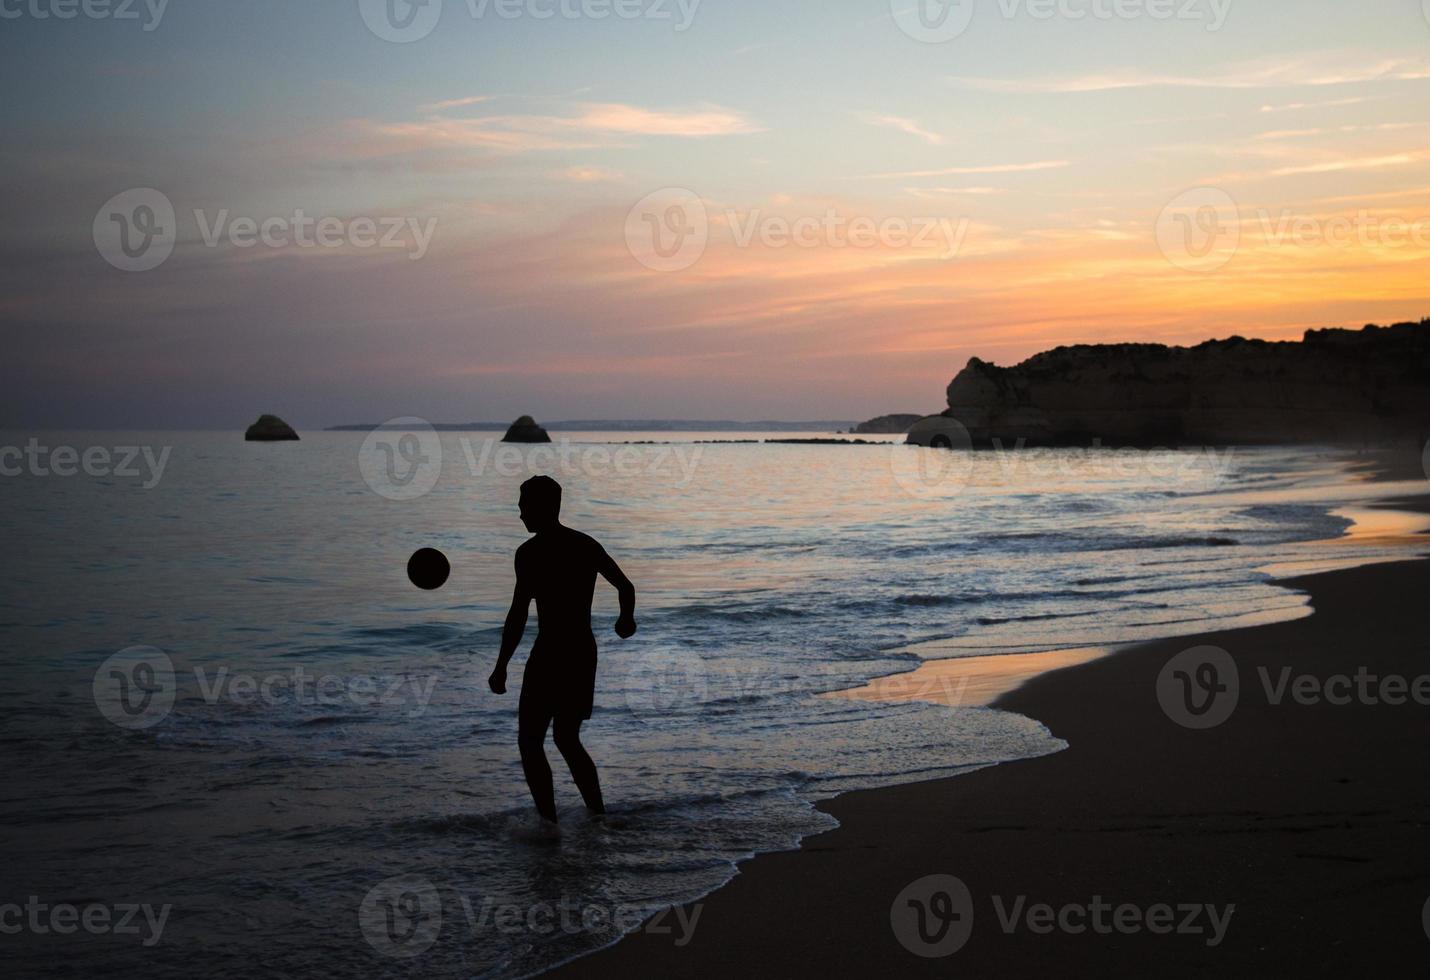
540,503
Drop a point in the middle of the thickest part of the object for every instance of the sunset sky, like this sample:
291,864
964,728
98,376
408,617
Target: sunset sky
1039,151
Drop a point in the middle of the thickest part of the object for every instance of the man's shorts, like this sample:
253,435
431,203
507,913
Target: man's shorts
559,682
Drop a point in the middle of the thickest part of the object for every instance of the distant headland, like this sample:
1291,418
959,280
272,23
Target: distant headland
1335,386
626,425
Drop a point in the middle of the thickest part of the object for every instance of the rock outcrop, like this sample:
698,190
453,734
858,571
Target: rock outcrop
270,428
886,424
1369,386
525,429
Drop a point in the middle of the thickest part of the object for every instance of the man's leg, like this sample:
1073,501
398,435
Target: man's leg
583,770
531,739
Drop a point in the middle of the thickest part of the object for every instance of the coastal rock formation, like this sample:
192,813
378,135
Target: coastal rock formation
270,428
525,429
1369,386
886,424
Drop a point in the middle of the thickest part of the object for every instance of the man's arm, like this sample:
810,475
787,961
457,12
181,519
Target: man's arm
512,632
606,565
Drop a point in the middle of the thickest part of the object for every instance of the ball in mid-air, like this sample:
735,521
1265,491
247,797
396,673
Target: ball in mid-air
428,568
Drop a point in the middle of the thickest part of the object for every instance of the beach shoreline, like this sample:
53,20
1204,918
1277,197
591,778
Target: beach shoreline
1306,817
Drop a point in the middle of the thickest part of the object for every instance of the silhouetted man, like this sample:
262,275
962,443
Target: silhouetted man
558,569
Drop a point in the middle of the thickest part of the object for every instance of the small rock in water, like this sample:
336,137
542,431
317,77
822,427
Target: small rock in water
270,428
525,429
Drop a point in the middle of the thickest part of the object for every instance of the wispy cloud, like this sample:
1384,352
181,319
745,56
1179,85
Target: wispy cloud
589,175
904,125
586,125
1331,104
994,168
1359,163
455,103
1279,134
1251,75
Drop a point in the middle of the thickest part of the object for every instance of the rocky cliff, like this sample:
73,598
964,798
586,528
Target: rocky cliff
1333,386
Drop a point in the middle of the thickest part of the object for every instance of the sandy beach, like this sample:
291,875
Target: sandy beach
1288,840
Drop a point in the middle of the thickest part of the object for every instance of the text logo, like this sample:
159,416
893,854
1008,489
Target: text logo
1199,688
401,459
667,230
135,230
932,21
401,21
135,687
933,917
1200,229
400,917
945,467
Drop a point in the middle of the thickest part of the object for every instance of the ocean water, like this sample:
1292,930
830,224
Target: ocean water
312,777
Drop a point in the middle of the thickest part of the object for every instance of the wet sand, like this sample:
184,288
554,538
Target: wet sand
1312,820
